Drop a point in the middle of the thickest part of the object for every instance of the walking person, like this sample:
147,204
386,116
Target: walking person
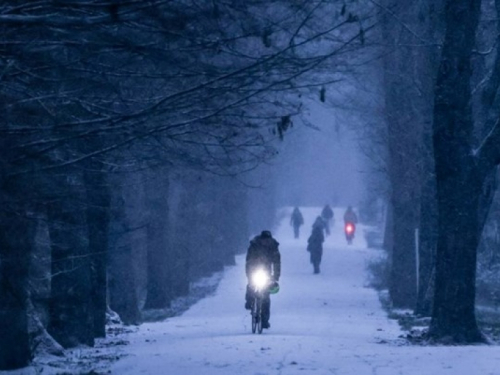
296,221
315,244
327,216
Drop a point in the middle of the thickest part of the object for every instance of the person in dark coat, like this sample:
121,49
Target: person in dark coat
296,221
263,253
327,216
315,244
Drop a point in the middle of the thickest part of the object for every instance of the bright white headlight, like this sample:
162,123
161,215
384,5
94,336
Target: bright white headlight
260,278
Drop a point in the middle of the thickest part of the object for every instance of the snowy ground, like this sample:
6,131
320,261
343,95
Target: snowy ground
320,324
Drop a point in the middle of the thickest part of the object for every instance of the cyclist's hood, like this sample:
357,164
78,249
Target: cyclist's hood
266,234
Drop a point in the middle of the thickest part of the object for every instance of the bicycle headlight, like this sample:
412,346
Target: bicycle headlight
260,279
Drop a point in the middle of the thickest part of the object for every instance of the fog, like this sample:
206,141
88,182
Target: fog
320,161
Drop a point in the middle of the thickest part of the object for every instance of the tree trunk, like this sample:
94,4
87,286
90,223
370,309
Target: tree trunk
427,245
404,177
17,233
428,63
122,280
404,128
160,262
453,311
122,286
458,181
403,277
185,265
428,222
98,217
388,242
71,313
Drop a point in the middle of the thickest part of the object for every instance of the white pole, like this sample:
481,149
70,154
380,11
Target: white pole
417,256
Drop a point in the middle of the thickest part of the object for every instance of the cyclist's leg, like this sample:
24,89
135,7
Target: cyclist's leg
248,298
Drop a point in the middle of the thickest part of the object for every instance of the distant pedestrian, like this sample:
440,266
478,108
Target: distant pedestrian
296,221
315,244
327,216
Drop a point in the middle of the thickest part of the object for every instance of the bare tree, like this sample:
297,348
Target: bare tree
180,83
462,171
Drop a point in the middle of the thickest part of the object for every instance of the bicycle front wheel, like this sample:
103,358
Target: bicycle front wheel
255,315
259,315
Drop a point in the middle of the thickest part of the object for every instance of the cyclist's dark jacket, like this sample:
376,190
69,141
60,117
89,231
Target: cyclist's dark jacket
350,217
263,252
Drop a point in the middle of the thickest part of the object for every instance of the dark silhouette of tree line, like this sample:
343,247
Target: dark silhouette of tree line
124,128
440,69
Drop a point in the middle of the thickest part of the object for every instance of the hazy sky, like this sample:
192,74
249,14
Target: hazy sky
321,166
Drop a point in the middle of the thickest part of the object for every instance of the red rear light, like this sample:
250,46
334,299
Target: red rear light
349,228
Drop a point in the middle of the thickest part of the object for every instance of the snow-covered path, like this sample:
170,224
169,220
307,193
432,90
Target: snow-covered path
320,324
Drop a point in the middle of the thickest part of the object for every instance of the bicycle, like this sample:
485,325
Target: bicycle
262,286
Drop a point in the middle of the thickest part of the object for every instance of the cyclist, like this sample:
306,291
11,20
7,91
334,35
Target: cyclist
263,253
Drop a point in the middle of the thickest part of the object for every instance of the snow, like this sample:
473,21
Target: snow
329,323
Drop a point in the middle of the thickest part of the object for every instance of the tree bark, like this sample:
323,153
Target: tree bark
98,217
427,244
405,195
403,131
71,313
388,230
458,181
17,233
185,265
428,63
453,314
159,257
403,278
122,279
